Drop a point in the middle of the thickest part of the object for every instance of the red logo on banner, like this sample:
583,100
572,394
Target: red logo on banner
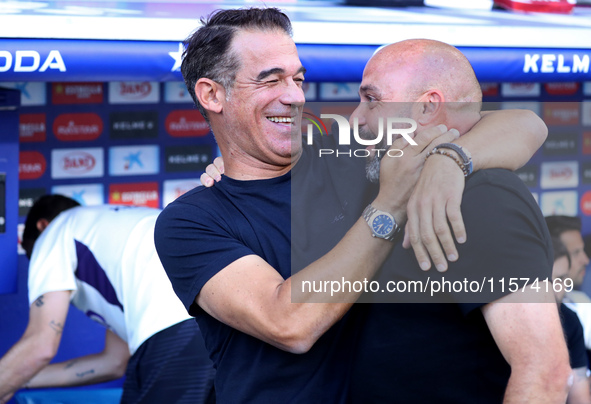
78,162
489,89
586,203
586,142
561,88
135,90
561,173
561,113
31,165
77,127
32,128
137,194
185,123
76,93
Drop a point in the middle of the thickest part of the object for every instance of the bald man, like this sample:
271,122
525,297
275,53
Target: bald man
486,348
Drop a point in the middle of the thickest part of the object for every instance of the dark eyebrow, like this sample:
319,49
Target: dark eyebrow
367,88
277,70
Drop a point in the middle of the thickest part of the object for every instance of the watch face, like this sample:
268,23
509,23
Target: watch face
382,225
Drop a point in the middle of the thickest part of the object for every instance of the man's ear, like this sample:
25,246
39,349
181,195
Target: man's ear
42,224
210,94
431,108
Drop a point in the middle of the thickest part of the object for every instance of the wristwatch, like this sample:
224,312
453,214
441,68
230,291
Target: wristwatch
382,224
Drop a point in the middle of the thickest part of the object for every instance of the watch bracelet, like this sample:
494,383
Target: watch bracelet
368,211
463,153
458,149
451,156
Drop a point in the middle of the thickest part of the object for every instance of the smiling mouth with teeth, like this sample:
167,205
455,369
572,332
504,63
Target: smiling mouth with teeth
280,119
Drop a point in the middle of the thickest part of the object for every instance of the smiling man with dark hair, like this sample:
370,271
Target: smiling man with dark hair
227,249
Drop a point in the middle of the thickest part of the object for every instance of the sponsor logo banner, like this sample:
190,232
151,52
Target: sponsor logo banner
586,203
557,63
134,92
85,194
339,91
134,160
587,88
561,113
32,93
559,203
586,142
188,158
586,113
26,199
186,123
560,144
176,92
32,128
32,165
561,89
77,163
29,61
521,89
20,228
137,194
529,175
489,89
309,91
172,189
77,127
76,93
134,125
586,172
560,174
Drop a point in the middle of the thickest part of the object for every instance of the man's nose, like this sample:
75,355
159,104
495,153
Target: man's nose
359,115
293,94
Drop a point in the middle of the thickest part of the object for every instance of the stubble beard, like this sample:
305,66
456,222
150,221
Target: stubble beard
372,165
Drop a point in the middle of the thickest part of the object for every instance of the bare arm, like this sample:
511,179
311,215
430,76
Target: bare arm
500,139
505,138
251,296
530,337
107,365
38,345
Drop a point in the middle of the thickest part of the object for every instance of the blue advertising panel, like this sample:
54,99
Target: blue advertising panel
84,60
9,146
